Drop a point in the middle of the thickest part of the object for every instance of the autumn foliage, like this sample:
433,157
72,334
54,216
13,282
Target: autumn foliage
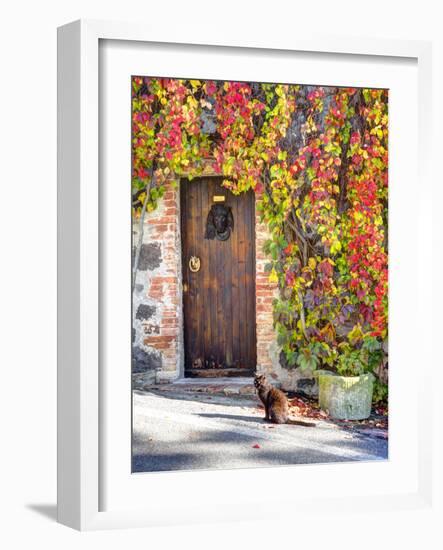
317,158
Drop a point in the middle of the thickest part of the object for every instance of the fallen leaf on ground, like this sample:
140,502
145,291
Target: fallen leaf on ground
309,408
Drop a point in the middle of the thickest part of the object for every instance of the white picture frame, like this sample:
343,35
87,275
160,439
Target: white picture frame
80,393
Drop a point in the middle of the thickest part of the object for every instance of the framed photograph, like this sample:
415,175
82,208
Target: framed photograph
239,223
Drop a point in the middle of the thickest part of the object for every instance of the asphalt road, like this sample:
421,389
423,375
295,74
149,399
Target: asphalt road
206,432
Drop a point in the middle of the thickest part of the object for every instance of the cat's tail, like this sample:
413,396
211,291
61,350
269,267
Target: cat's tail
301,423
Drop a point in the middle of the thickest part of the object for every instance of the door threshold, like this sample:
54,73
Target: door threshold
221,381
219,373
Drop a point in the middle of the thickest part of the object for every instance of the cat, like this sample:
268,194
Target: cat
275,403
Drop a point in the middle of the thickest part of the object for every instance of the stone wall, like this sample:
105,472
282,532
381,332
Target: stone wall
157,306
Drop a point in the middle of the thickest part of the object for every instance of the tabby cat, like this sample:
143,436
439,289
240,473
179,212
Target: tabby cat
275,402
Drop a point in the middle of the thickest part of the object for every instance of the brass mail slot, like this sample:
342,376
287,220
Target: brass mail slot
218,198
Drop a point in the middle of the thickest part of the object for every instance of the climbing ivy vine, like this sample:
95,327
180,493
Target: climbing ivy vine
317,158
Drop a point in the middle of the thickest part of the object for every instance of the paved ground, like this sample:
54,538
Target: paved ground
201,431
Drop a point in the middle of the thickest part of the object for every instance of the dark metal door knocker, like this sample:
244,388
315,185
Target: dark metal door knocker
220,222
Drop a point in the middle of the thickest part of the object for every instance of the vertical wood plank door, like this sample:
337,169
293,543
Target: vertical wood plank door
219,296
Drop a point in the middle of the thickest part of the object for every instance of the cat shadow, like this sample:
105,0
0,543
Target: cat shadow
259,420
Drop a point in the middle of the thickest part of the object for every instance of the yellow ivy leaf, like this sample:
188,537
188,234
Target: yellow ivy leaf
336,247
192,102
312,263
273,277
355,334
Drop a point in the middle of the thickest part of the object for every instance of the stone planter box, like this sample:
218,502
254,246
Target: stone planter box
345,397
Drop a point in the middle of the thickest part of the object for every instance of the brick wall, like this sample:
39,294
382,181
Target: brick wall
267,349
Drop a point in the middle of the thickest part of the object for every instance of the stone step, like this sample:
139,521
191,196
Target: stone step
215,386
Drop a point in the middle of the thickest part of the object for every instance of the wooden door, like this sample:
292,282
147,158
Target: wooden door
219,283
